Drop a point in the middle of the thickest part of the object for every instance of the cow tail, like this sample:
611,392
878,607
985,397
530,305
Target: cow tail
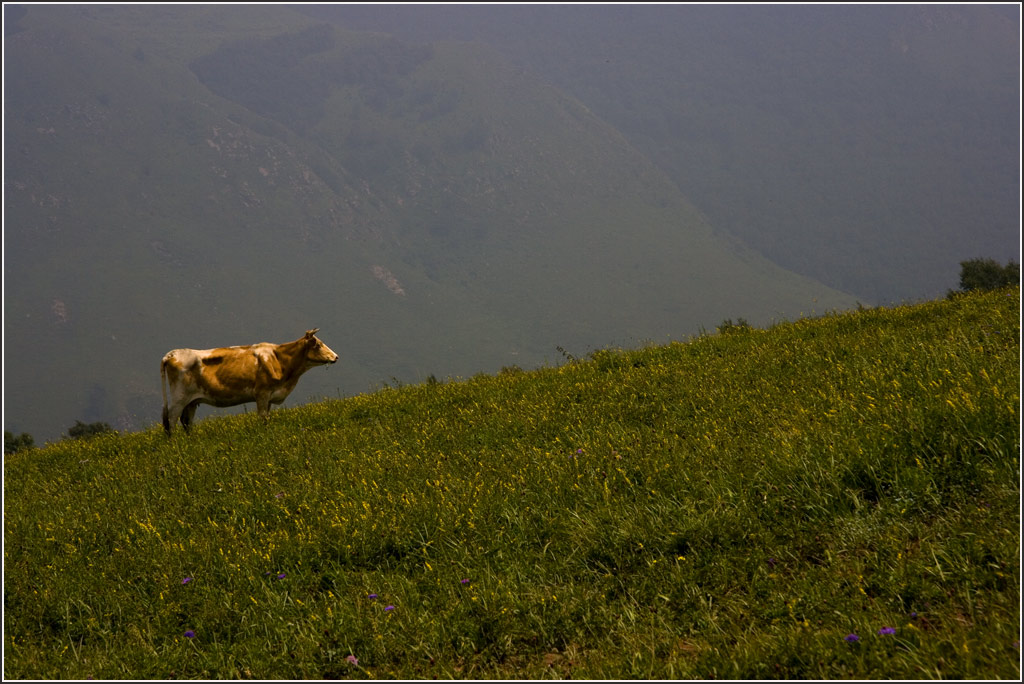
163,390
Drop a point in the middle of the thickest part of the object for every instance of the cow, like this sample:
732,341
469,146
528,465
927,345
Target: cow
265,373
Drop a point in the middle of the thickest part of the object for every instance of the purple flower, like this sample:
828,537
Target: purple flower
352,659
771,562
388,609
887,630
186,580
189,634
372,597
464,581
851,638
281,575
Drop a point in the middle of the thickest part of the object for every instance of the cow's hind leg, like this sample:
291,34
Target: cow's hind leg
171,416
188,414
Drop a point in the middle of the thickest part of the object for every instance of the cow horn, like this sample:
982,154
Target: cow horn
314,331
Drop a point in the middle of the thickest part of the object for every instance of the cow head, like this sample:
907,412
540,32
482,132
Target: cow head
316,351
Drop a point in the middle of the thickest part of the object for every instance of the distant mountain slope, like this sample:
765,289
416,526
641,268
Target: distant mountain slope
210,175
870,147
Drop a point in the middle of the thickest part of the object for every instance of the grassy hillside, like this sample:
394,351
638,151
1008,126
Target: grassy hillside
200,176
830,498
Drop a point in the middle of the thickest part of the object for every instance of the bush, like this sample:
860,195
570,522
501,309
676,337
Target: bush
82,430
987,274
727,326
14,444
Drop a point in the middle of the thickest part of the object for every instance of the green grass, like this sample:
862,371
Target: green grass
729,507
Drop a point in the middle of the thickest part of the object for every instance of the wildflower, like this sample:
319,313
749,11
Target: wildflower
186,580
189,634
887,630
464,581
352,659
771,562
388,609
372,597
281,575
851,638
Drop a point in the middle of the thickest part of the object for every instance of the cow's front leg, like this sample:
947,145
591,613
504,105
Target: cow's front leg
263,405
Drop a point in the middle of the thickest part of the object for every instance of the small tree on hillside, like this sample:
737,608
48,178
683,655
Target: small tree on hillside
987,274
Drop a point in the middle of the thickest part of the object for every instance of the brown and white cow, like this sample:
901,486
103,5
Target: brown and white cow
265,373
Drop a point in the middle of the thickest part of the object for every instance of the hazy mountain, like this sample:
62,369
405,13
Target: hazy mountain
214,175
870,147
